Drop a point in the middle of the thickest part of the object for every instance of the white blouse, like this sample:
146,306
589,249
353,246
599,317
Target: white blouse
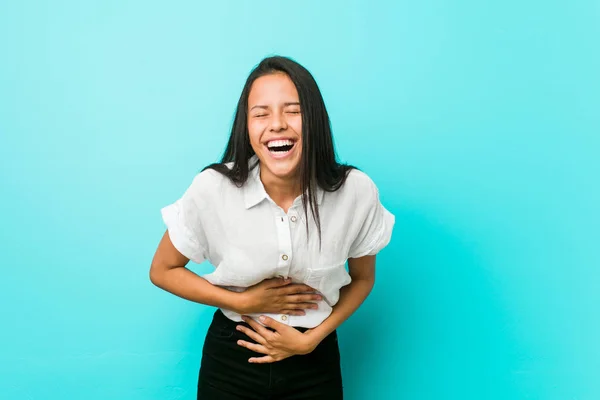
249,238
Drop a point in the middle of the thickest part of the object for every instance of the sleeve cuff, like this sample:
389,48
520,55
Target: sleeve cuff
382,239
180,236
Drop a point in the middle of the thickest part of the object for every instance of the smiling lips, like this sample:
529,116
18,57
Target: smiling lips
280,148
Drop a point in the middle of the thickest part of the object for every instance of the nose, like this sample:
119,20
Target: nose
278,123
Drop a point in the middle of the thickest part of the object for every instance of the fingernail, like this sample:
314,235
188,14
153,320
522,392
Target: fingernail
239,328
262,318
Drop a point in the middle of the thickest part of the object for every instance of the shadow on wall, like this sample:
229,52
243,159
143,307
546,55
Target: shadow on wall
434,326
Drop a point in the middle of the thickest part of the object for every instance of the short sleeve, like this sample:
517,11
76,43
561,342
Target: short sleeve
377,222
183,219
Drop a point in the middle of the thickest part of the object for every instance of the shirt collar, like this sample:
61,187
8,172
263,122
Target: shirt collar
254,191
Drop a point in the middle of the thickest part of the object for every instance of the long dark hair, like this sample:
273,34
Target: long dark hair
318,165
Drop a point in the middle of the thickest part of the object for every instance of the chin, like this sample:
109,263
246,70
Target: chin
281,169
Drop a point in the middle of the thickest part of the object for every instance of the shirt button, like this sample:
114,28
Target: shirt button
284,317
284,257
293,218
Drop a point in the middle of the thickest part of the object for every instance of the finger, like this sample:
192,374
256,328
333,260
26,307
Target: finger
296,288
271,323
293,312
251,334
278,282
258,328
304,298
257,348
302,306
262,360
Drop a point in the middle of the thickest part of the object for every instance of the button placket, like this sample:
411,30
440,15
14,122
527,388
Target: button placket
284,241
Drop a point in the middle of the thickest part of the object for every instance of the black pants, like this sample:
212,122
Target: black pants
226,374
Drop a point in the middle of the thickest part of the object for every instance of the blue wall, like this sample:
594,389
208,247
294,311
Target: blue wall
479,121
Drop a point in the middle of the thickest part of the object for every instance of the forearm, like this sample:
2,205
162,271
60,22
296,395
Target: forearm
186,284
351,297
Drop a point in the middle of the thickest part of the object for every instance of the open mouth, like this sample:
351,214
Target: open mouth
280,147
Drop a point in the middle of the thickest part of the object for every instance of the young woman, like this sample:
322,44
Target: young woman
279,218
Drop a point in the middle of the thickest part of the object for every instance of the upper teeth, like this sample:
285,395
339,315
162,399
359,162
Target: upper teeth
279,143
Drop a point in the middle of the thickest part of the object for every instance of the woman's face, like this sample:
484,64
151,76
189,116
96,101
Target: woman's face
275,125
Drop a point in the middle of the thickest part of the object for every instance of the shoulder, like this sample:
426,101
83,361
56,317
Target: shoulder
360,184
207,187
358,192
207,179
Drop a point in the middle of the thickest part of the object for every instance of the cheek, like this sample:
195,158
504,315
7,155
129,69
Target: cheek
296,125
254,132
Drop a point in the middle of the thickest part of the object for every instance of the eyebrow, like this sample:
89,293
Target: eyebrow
293,103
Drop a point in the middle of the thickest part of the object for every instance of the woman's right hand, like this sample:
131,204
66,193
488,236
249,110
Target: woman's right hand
279,296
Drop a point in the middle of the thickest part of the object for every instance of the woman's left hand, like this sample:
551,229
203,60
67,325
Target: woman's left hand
285,342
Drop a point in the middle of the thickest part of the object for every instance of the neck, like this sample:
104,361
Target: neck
283,191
